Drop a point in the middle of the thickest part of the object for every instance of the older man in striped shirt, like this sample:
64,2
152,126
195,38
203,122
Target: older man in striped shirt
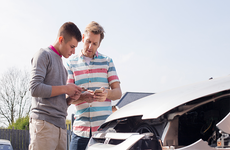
92,71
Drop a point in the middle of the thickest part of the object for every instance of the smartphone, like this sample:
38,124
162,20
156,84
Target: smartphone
98,91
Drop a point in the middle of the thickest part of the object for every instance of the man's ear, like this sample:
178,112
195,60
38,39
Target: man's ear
60,39
83,37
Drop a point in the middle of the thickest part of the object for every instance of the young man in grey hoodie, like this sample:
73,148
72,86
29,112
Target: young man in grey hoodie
49,89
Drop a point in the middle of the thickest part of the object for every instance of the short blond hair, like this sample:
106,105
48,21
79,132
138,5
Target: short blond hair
95,28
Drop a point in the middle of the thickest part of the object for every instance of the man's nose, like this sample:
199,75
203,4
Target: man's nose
90,46
73,51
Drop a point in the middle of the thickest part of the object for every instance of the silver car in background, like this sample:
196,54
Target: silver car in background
193,117
5,145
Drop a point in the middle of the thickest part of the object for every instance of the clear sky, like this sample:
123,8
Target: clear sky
155,44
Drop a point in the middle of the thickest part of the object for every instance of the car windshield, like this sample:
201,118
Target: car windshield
5,147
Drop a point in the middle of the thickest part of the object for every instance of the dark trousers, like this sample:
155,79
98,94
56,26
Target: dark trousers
78,143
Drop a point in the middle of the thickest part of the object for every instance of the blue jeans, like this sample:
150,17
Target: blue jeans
78,143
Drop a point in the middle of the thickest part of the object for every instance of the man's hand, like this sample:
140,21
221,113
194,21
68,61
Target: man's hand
76,96
84,97
73,98
101,96
88,96
73,90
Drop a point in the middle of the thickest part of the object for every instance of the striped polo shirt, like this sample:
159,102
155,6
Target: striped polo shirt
100,72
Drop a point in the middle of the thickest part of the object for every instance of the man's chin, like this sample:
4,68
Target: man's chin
66,56
88,54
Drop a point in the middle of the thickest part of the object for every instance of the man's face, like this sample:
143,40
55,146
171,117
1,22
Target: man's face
67,49
91,42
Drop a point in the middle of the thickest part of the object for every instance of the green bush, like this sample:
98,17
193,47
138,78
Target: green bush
20,124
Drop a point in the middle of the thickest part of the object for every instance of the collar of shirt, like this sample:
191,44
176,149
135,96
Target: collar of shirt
51,47
81,54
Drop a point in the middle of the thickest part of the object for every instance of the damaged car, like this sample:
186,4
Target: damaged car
192,117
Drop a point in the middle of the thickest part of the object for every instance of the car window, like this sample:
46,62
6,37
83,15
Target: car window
5,147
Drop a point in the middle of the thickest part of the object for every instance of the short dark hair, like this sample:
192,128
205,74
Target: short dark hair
69,30
96,28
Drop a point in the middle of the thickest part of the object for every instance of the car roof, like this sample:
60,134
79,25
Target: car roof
4,141
155,105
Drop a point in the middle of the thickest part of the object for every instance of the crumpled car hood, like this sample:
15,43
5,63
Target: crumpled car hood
155,105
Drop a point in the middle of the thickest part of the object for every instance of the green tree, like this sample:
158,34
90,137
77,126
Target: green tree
15,99
20,123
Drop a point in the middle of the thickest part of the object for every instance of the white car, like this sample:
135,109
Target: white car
193,117
5,145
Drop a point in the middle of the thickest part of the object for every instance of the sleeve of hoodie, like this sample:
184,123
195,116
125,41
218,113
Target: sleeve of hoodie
39,66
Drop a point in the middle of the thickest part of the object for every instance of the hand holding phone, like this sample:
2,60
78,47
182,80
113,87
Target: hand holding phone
98,91
100,95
